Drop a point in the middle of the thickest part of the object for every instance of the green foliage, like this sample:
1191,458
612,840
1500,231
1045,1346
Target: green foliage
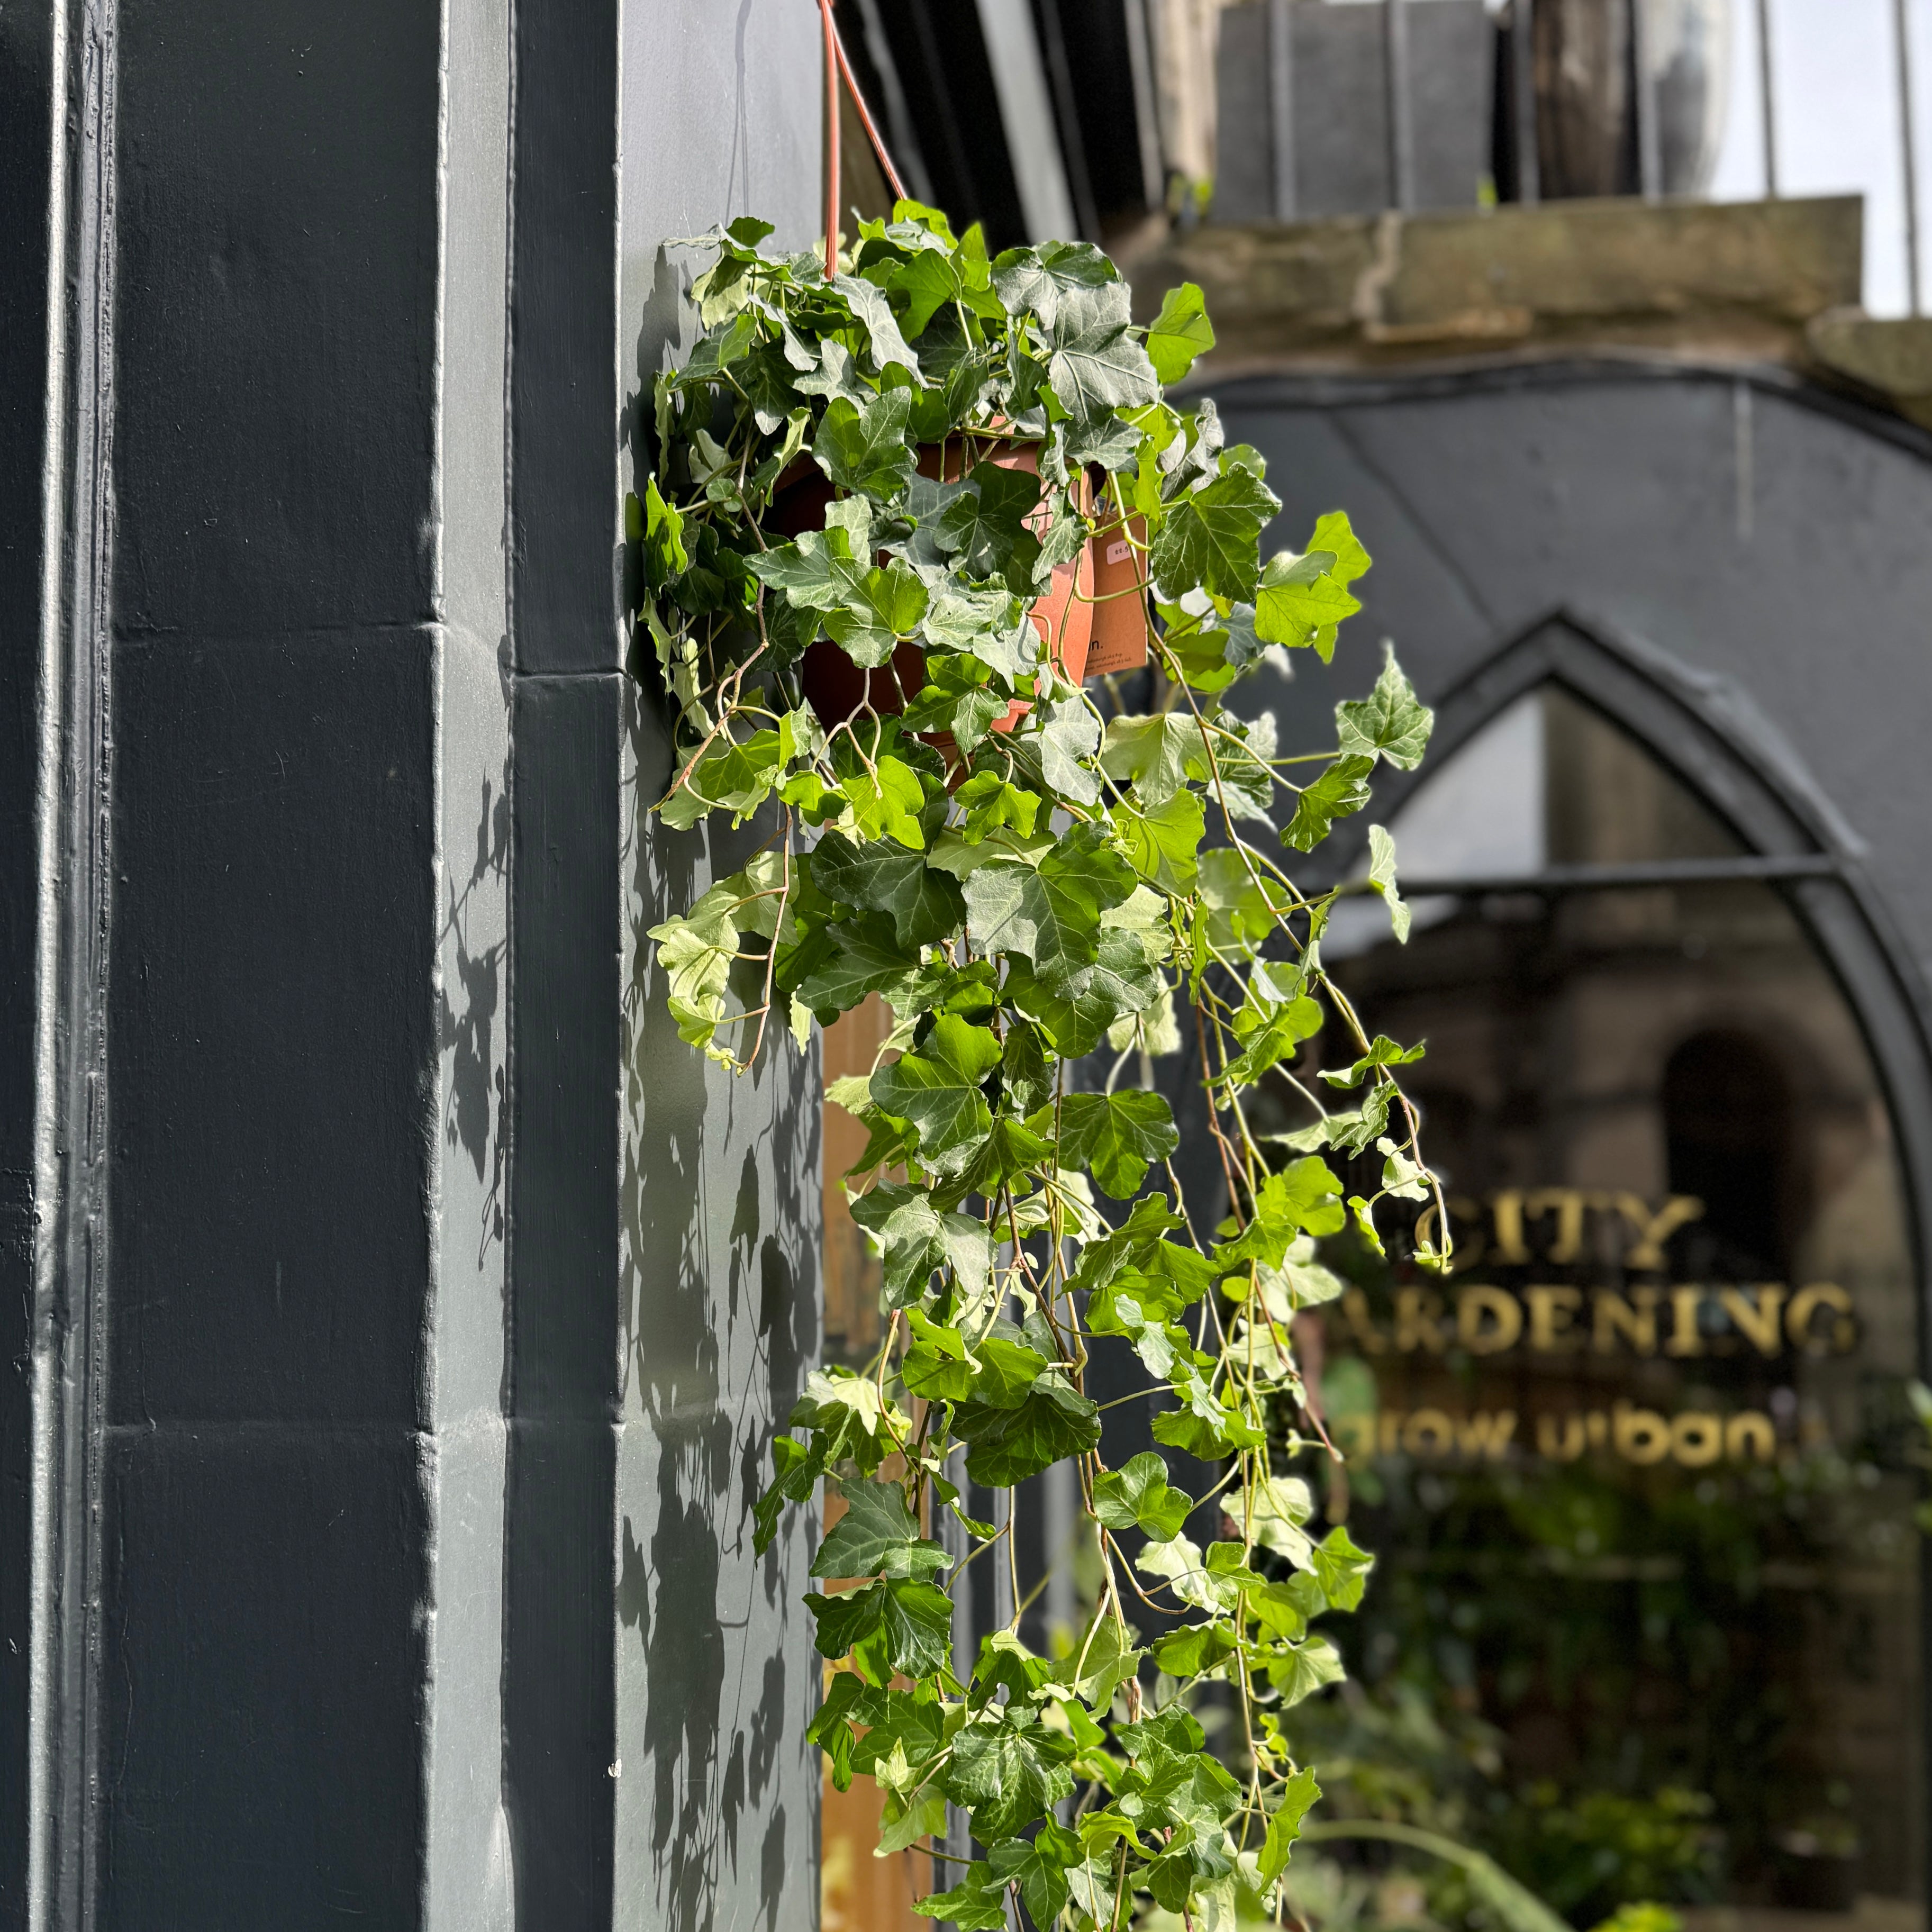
1023,875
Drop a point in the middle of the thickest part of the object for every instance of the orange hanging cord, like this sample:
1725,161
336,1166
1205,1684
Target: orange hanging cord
837,66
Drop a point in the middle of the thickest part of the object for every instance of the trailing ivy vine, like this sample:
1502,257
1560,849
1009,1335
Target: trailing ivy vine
869,543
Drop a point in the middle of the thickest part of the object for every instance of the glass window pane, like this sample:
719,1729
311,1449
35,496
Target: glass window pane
1642,1472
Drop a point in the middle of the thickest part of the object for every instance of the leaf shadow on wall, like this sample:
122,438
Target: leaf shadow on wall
720,1208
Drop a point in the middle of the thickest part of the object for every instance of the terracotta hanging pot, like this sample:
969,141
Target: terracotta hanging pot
1063,616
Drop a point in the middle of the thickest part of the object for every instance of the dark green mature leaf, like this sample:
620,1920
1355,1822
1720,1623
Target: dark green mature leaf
1050,913
877,1537
1009,1444
1039,1867
1009,1151
867,454
938,1089
1008,1771
984,527
864,956
1117,1136
879,608
879,876
870,305
1212,538
977,1904
1391,721
1138,1496
815,573
1037,278
1077,1007
917,1238
918,1627
1340,790
1096,366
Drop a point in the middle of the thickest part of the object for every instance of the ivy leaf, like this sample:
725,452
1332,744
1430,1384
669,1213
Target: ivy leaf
1381,876
1391,721
1298,1794
1008,1772
977,1904
867,454
862,957
880,607
664,557
877,1537
1211,539
1008,1445
886,802
1195,1650
1105,1658
1181,332
1303,1197
797,1472
869,305
1039,1867
1036,278
879,876
1161,845
990,624
1117,1136
1139,1496
1050,913
834,375
984,526
1382,1052
1010,1150
1299,1670
1096,366
1341,1569
1159,754
1077,1007
918,1627
815,573
938,1089
916,1238
1341,789
1298,602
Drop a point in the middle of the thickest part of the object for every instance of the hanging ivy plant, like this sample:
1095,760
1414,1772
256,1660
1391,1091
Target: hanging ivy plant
896,517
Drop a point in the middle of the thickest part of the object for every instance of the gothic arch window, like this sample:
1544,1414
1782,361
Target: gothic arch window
1644,1468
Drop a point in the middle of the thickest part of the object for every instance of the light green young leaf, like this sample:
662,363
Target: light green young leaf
1158,754
1298,1794
1181,332
1381,876
1391,722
